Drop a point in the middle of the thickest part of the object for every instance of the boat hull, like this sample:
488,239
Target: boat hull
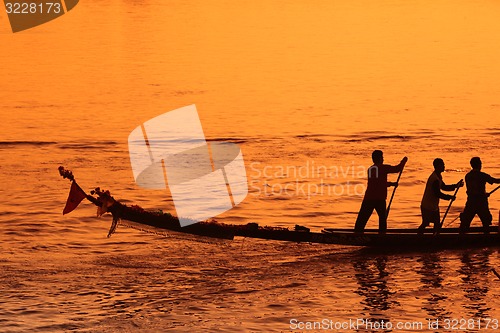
395,239
392,239
405,240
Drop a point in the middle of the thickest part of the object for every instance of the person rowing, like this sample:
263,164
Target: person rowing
429,206
376,191
477,197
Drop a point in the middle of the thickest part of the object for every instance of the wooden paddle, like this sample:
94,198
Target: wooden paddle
393,192
447,210
496,188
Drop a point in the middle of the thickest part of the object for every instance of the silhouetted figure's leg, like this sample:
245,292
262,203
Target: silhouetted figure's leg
426,219
381,209
364,214
437,225
422,227
483,211
467,215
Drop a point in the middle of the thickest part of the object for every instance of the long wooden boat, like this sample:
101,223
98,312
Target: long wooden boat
392,239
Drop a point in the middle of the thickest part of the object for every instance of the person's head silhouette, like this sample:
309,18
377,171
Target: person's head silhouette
476,163
438,164
378,157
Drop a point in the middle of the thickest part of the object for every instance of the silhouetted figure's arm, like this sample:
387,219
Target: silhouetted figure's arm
397,168
441,195
445,187
494,180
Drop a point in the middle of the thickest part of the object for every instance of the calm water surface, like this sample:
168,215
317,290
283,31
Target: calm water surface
307,90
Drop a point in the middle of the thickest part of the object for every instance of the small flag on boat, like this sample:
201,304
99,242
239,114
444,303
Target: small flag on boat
76,195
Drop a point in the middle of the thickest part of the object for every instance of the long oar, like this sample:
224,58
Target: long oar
393,192
447,210
456,218
496,188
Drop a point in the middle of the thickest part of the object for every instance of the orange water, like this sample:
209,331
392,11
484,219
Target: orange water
308,90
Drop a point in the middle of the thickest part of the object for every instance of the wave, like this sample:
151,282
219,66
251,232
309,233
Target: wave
92,145
227,139
27,143
70,145
384,137
312,135
372,136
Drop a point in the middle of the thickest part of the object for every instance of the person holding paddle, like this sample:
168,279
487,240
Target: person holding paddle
376,191
430,200
477,197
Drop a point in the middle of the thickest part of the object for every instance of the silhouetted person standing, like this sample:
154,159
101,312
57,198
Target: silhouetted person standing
376,192
477,198
430,200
